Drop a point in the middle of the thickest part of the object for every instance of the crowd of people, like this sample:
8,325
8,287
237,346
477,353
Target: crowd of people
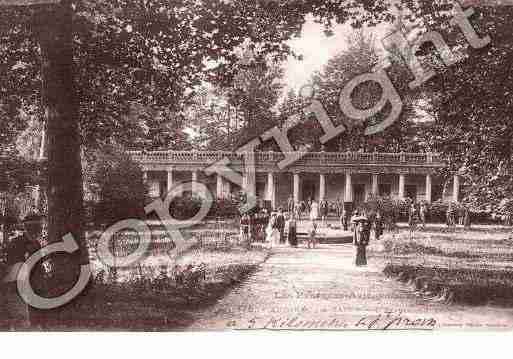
272,227
321,209
418,214
280,228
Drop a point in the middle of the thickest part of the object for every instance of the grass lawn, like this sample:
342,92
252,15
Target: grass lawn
472,267
159,293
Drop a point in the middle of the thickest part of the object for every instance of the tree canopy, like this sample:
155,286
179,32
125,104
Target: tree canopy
152,52
472,106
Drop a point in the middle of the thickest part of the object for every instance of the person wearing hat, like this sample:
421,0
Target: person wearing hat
344,219
280,225
292,231
19,249
378,226
361,234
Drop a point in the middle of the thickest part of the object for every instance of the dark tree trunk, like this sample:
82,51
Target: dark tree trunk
64,170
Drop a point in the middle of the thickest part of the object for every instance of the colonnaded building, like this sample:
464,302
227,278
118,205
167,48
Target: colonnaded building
349,176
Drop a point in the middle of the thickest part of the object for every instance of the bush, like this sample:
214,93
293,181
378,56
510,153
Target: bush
118,185
438,211
186,207
393,210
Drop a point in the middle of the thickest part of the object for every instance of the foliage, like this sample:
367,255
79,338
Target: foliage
390,209
394,210
118,185
308,130
212,118
16,174
185,207
359,58
152,53
19,151
9,211
470,103
255,92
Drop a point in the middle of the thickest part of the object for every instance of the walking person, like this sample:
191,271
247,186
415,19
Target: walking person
292,232
423,213
461,215
450,215
245,229
272,233
302,209
17,313
256,227
344,219
314,211
324,212
378,226
361,234
339,207
412,218
312,235
280,225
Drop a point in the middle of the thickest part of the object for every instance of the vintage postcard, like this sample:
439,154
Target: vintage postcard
221,165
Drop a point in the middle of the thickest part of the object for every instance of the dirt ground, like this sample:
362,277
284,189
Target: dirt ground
322,289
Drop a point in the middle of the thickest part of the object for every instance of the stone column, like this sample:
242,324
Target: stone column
219,187
155,188
429,191
456,188
402,182
348,195
375,185
271,190
169,180
296,187
249,184
145,177
322,187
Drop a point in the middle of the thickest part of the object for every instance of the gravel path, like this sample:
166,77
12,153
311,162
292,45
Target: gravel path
322,289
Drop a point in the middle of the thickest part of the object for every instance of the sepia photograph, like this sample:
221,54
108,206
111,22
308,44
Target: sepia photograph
256,165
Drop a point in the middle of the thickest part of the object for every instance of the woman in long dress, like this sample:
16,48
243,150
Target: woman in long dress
361,233
314,211
245,229
324,209
292,232
273,234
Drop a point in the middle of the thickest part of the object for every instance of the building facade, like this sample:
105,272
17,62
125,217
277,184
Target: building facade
350,177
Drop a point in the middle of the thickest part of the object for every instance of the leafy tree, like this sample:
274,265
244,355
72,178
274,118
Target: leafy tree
212,118
149,52
471,106
255,92
118,185
83,63
360,58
